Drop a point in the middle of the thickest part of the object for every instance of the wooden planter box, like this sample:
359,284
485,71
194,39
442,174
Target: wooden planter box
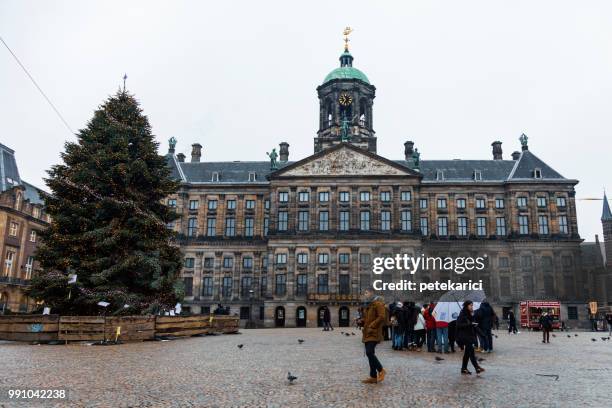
133,328
81,328
29,327
179,326
225,324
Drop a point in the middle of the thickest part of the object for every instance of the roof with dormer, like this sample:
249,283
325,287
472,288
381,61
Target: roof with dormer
9,176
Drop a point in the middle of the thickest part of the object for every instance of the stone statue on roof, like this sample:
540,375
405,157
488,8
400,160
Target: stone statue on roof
273,156
416,158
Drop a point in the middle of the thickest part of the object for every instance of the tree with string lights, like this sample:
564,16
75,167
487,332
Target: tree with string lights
108,220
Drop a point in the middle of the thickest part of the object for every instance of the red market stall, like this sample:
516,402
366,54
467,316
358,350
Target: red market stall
531,310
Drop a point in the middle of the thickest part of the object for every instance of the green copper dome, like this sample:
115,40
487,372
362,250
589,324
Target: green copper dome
346,70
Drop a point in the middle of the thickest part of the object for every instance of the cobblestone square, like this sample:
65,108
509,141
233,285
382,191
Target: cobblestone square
212,371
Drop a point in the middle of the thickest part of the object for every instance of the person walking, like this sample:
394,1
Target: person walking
546,326
442,336
374,316
327,319
410,317
419,329
466,335
430,327
452,332
609,320
485,317
398,326
511,323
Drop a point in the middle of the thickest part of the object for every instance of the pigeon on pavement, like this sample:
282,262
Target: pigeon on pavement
291,378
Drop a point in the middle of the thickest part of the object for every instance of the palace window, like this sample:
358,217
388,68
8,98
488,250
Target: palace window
189,262
171,203
561,202
442,203
252,176
541,202
303,220
323,221
364,218
194,204
302,285
521,202
424,224
499,203
364,259
266,226
282,220
385,196
500,226
345,196
385,220
264,286
406,196
212,204
364,196
28,267
281,259
33,236
281,284
283,197
563,227
323,284
192,227
406,219
248,227
504,262
423,203
188,282
344,220
323,258
247,262
439,175
477,175
543,225
481,203
462,226
231,204
228,262
461,203
249,204
481,226
523,225
230,227
211,227
443,226
302,258
209,262
344,258
267,204
303,196
245,286
207,286
345,284
537,173
13,229
323,196
227,286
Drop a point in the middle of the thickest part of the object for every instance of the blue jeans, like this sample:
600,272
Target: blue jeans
431,339
398,339
442,338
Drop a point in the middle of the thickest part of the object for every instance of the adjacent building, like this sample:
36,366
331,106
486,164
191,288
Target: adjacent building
22,218
279,240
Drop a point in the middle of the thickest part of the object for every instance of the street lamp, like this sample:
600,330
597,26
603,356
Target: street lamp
250,324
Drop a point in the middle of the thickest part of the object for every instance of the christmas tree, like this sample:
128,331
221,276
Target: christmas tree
108,220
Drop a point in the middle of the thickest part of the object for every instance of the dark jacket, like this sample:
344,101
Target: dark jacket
484,316
465,329
326,315
374,317
452,331
511,318
546,322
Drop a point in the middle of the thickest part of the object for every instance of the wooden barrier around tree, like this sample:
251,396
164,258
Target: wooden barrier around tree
92,328
179,326
133,328
29,327
81,328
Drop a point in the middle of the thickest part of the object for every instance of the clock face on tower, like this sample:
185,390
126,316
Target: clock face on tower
345,99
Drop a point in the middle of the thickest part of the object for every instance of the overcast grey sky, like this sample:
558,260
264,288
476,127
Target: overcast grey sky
240,77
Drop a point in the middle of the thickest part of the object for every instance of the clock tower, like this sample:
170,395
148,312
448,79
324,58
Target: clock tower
345,106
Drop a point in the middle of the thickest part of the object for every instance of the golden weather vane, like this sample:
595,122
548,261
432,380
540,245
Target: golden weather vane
346,33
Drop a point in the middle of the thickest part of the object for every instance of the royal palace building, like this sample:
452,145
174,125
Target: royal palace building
279,240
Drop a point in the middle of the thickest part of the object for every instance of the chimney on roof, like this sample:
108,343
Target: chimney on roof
180,157
284,152
516,155
196,152
497,150
408,149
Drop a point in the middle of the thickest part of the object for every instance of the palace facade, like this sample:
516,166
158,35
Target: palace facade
22,217
279,240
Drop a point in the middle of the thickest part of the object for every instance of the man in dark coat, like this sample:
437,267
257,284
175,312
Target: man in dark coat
546,324
485,316
466,335
511,322
327,319
452,332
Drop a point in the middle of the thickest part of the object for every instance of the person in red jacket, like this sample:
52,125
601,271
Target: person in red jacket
430,326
